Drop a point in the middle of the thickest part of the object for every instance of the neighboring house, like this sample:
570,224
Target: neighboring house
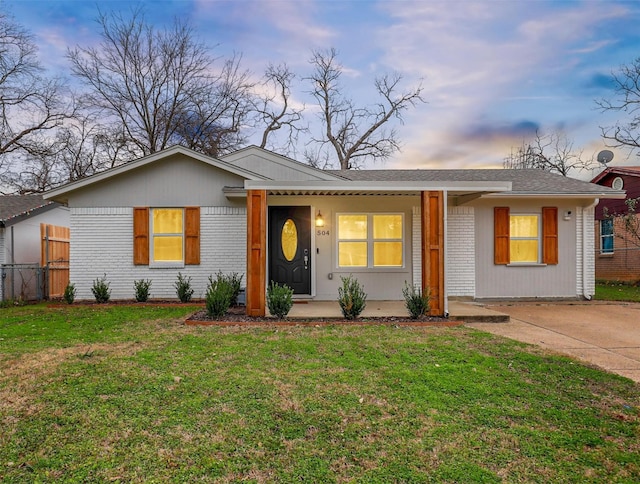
475,234
20,240
617,250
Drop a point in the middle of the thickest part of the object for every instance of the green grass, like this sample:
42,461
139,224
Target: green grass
617,291
129,394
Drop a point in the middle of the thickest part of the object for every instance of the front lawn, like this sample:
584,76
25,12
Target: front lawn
130,394
617,291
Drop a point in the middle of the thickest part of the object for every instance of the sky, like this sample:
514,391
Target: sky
492,71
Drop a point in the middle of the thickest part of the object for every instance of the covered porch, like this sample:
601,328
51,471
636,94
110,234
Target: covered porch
422,241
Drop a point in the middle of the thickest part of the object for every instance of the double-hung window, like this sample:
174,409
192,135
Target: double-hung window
166,236
525,238
370,240
606,236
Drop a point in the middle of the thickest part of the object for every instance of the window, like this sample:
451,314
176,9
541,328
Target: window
525,238
606,236
166,236
370,240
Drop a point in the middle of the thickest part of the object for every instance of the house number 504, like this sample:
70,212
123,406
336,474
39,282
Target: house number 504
322,232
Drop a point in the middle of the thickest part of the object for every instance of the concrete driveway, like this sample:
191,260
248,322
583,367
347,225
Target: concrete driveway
603,334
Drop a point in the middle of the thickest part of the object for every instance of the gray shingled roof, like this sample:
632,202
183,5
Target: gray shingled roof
523,181
14,207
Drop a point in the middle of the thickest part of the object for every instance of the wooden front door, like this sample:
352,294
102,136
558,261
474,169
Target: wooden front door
290,247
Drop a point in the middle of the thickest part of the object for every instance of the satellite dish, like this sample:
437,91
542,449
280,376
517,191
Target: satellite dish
605,156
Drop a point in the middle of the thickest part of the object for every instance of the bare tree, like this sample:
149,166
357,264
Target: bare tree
552,152
159,87
626,85
213,123
357,133
274,110
30,104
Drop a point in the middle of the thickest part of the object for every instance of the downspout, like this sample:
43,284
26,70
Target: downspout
584,248
445,214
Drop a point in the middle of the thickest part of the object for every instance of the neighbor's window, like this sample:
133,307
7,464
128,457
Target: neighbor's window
370,240
167,229
606,236
524,241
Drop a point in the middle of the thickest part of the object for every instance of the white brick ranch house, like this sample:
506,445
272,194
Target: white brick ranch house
475,234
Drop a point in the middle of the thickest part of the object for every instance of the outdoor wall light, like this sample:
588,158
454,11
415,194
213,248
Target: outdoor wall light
319,220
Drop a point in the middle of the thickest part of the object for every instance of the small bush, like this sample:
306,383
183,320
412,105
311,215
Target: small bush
69,293
142,288
235,280
219,296
183,288
100,290
351,297
279,299
416,301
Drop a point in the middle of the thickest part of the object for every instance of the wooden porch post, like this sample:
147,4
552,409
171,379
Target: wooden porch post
256,252
432,209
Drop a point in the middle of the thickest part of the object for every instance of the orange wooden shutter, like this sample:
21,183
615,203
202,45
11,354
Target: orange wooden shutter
192,235
141,235
501,253
549,235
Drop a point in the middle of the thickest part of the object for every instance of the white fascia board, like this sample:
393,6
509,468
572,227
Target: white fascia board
588,196
140,162
381,186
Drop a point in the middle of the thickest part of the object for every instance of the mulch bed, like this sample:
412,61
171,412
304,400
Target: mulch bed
236,317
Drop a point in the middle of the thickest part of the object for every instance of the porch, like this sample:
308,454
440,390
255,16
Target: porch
458,311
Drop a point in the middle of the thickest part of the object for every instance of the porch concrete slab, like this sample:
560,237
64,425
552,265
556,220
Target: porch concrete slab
459,311
601,333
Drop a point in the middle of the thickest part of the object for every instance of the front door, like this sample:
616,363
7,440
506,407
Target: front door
290,247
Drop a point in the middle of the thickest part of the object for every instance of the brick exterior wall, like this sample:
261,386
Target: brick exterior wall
624,263
102,243
460,264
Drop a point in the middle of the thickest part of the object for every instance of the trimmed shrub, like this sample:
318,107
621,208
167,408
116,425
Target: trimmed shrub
183,288
69,293
235,280
219,295
142,288
351,297
279,299
416,301
100,289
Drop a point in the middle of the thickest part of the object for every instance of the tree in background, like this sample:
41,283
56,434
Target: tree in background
355,133
274,110
626,84
160,87
553,152
30,104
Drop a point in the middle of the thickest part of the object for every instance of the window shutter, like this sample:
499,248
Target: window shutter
192,235
501,255
141,235
549,235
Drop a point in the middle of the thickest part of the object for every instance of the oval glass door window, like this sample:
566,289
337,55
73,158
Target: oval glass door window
289,239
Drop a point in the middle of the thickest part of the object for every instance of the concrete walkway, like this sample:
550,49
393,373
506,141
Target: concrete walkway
603,334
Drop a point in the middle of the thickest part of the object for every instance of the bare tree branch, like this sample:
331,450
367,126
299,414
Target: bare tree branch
357,134
159,87
553,152
626,84
30,104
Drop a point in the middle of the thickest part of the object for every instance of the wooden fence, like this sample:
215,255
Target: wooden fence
55,257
